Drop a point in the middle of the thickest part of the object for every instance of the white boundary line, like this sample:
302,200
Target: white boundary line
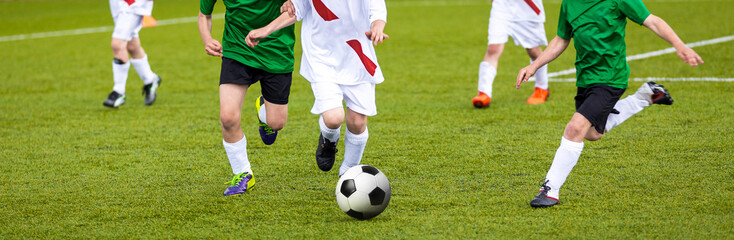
654,53
95,30
701,79
421,3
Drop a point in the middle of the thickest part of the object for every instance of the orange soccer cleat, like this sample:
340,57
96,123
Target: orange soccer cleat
481,100
149,21
539,96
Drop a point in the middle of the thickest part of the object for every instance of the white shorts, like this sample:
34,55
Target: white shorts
127,26
360,98
129,18
526,33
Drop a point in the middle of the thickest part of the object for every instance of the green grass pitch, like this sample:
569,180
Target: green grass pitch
71,168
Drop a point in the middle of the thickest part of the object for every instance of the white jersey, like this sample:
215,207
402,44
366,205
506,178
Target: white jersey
335,48
518,10
137,7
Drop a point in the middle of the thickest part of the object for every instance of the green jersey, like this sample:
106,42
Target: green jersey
597,28
273,54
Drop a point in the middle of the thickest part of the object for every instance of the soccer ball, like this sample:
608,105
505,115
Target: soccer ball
363,192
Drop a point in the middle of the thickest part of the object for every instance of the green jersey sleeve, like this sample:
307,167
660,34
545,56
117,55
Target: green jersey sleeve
635,10
207,6
565,30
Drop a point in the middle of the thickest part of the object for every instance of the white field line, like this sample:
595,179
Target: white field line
701,79
81,31
420,3
654,53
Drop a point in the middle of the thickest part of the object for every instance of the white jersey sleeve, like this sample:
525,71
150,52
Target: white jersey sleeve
302,7
378,10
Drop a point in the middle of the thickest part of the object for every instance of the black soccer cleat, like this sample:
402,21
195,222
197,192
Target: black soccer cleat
150,91
325,153
114,100
659,95
543,200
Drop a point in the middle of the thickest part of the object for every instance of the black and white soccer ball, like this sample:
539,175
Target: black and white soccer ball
363,192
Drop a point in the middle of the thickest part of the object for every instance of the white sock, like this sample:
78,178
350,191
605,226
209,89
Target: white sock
541,77
237,154
119,75
353,149
262,114
143,68
566,157
644,93
331,134
627,107
487,73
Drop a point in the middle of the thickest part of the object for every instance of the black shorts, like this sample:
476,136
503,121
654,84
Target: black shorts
596,103
276,87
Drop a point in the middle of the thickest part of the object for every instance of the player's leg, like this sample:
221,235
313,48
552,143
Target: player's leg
124,31
541,91
565,159
272,106
120,68
233,139
274,116
487,73
327,104
593,106
330,123
139,60
355,140
234,81
496,38
360,101
531,35
649,93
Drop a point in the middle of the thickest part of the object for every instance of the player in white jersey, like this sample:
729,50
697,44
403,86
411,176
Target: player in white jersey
523,20
339,60
128,17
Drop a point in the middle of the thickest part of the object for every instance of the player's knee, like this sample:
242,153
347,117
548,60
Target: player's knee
276,125
117,46
229,120
494,50
593,136
357,126
575,130
132,48
356,129
333,121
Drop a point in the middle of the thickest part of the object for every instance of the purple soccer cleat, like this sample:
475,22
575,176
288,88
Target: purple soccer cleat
240,184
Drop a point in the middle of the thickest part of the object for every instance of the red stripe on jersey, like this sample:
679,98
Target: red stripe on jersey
368,64
130,2
324,11
533,6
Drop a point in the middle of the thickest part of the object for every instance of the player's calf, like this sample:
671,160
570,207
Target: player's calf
267,134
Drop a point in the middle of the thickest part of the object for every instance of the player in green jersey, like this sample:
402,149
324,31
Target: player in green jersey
598,29
271,63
